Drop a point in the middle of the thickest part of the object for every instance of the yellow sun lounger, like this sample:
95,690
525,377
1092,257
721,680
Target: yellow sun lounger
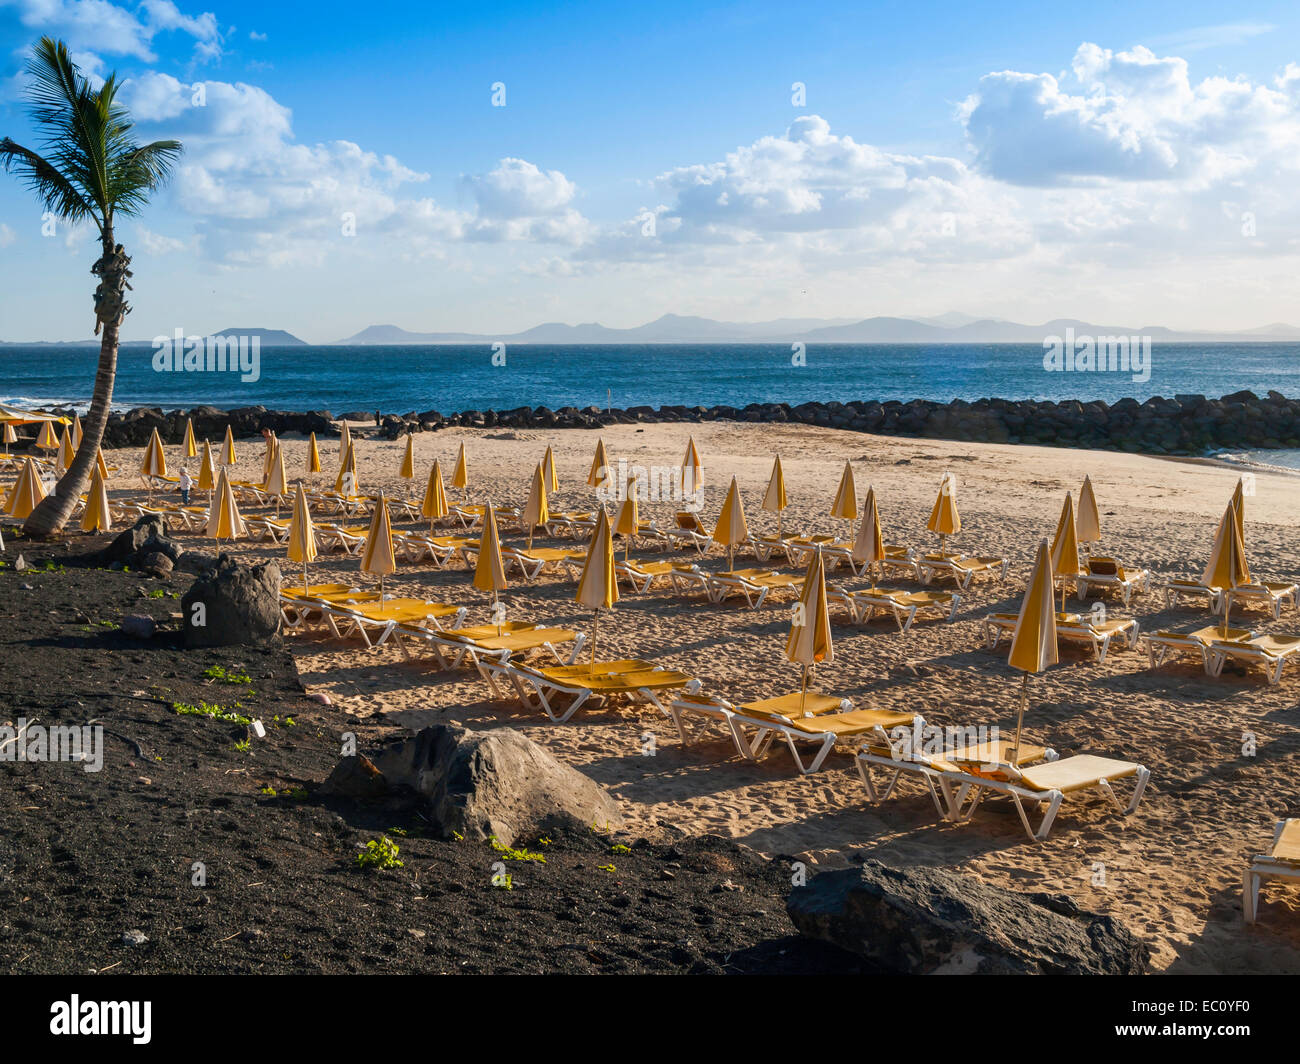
1271,595
1178,588
752,584
549,689
690,531
363,618
1281,862
267,528
1270,651
798,717
642,574
1107,574
454,646
420,546
958,567
532,563
1164,645
1072,628
567,522
903,606
347,540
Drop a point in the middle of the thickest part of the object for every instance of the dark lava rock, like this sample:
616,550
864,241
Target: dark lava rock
233,604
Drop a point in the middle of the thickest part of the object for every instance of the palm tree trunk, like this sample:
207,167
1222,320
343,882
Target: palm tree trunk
53,512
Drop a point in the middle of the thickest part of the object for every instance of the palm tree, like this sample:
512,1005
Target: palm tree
91,169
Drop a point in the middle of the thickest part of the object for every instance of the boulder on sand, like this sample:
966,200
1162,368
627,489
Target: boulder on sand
233,604
936,921
480,783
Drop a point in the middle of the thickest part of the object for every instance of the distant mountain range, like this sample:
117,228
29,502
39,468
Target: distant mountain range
266,337
952,328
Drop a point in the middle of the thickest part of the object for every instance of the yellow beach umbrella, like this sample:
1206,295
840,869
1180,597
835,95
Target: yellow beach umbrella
1033,644
489,570
1065,547
224,521
598,587
378,558
692,471
228,449
155,462
100,464
869,547
435,498
207,469
10,436
313,455
96,517
191,448
548,469
345,440
26,492
731,528
1227,568
845,505
1087,524
302,535
944,520
627,522
65,450
774,501
537,510
47,441
809,641
277,483
346,466
460,475
268,459
1239,508
600,473
407,472
76,431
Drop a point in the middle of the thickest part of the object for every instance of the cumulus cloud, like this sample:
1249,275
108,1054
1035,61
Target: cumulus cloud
518,200
93,28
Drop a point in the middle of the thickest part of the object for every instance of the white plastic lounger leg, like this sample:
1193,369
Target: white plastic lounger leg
828,744
1250,895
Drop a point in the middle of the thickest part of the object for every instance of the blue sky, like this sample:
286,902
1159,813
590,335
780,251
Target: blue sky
1133,165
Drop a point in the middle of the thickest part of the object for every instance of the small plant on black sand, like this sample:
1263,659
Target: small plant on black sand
510,854
620,848
203,709
606,868
244,746
379,853
220,672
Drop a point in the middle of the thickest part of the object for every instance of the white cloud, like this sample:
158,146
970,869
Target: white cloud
253,35
93,28
7,235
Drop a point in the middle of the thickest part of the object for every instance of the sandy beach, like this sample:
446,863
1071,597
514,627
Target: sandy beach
1171,872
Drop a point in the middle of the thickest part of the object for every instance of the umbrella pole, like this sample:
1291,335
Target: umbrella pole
1227,608
803,690
595,629
1020,720
496,611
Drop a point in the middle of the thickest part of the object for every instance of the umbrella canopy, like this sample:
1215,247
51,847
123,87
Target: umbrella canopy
207,469
1033,644
1087,524
345,439
598,586
731,527
65,450
378,558
346,466
845,505
47,441
76,431
228,449
489,570
435,498
100,464
548,470
1227,567
155,462
537,510
600,471
15,416
268,459
407,471
869,547
460,475
96,517
627,522
277,482
809,641
1239,508
191,448
1065,547
692,471
10,436
224,521
944,520
26,492
302,534
774,501
313,455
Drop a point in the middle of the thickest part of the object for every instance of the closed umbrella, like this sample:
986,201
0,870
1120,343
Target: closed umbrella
1065,548
277,483
346,466
191,448
407,472
378,558
774,501
598,587
627,522
313,455
869,547
1239,508
47,441
460,475
76,431
1088,522
537,510
65,450
100,463
26,492
809,641
489,570
944,520
155,462
96,517
845,505
302,535
345,440
207,470
10,436
692,472
548,468
1033,644
600,474
224,521
228,449
731,528
435,498
1227,568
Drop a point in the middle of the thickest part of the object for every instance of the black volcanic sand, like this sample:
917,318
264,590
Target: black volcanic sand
86,857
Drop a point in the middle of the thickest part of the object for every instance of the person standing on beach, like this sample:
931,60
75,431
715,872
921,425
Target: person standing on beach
184,484
377,419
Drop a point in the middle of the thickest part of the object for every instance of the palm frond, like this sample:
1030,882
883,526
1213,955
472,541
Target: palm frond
59,195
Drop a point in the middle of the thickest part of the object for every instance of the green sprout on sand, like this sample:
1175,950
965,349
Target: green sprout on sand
400,832
268,789
510,854
620,848
220,672
244,746
203,709
379,853
606,868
